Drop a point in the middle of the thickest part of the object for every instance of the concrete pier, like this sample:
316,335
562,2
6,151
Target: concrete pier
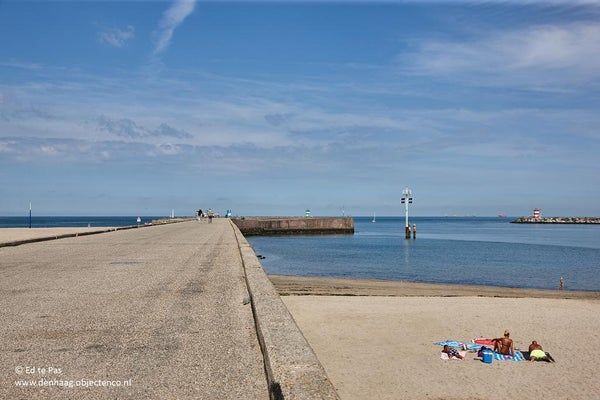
175,311
161,306
294,225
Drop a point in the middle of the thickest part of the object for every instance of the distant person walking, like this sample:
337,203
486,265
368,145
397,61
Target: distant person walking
561,284
199,214
210,215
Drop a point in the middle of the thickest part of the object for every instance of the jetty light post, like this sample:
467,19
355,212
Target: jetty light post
406,200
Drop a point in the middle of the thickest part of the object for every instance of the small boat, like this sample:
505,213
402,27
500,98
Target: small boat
373,218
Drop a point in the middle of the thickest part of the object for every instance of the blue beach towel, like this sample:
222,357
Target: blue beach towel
459,345
503,357
451,343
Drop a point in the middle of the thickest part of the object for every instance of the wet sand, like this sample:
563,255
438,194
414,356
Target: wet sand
302,285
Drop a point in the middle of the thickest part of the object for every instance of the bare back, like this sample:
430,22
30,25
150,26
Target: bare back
506,345
535,346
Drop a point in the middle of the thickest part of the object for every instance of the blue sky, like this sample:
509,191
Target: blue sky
116,107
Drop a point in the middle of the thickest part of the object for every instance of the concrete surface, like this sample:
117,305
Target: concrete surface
293,369
157,310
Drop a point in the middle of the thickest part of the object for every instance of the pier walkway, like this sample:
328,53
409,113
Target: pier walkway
159,311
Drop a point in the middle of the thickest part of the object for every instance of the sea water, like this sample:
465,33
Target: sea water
83,221
483,251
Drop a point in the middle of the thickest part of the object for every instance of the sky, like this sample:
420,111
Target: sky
270,108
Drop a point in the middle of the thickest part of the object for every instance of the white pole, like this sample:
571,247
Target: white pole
406,212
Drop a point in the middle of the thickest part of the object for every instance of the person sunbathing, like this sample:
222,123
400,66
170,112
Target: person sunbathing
504,345
452,352
537,353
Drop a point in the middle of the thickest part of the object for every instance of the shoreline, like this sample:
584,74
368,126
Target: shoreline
293,285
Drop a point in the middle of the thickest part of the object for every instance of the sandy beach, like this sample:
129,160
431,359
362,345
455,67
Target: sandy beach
382,346
17,234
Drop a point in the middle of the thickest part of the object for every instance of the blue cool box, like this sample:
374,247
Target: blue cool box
488,357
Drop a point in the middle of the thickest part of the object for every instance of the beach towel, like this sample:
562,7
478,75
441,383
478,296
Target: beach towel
452,343
484,342
445,356
459,345
504,357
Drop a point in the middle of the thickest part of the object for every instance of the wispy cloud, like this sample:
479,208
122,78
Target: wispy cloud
547,54
171,19
117,37
127,128
20,65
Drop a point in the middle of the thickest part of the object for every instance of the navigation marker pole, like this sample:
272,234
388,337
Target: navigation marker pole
406,200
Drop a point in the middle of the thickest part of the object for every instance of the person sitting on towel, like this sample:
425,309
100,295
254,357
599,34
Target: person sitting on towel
537,353
452,352
504,345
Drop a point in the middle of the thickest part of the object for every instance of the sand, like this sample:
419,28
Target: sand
380,347
305,285
16,234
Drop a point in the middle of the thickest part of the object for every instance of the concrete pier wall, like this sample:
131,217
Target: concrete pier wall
293,370
294,225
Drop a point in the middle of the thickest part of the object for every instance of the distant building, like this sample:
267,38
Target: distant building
537,213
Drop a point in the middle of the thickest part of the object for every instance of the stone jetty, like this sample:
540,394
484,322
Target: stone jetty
294,225
170,311
557,220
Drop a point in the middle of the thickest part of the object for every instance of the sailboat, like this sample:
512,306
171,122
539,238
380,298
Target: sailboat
373,218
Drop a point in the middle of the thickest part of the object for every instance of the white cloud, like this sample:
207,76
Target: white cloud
117,37
5,147
171,19
547,54
49,150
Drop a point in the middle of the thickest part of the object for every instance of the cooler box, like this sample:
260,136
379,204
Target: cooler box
488,356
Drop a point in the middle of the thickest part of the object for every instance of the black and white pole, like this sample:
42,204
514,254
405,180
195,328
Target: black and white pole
406,200
29,215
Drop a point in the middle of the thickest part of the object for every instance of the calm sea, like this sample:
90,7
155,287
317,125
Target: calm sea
487,251
56,222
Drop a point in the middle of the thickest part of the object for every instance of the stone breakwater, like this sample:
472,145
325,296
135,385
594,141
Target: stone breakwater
294,225
557,220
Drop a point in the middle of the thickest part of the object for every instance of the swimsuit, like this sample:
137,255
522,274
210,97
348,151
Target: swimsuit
453,353
537,353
